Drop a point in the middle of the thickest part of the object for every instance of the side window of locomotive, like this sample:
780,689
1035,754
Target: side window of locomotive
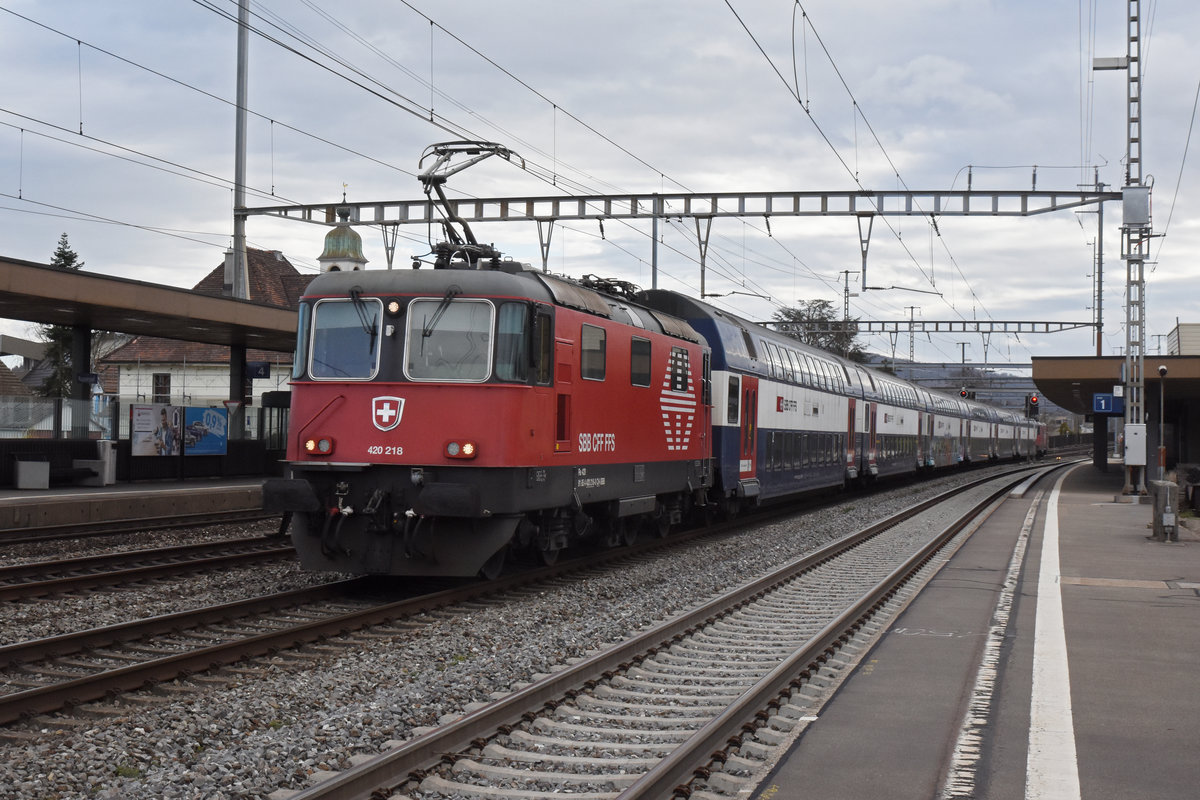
512,343
592,354
302,331
345,339
449,340
680,369
639,362
543,333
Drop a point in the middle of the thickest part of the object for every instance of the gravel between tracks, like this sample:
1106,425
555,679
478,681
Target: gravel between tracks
271,730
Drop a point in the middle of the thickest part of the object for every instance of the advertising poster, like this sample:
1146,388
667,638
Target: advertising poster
154,429
205,431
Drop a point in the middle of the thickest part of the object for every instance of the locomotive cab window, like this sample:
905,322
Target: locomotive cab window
449,340
302,330
512,342
345,338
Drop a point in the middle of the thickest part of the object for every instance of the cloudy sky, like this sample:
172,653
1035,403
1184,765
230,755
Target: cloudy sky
116,127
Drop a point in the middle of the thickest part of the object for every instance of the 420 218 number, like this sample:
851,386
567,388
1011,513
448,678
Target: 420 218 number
385,450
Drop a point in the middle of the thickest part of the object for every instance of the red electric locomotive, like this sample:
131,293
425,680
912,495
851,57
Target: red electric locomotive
442,417
439,415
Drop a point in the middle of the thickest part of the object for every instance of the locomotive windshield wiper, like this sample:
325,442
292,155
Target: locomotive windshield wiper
365,317
452,292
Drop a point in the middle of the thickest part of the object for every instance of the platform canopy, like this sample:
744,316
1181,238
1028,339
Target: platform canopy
51,295
1071,382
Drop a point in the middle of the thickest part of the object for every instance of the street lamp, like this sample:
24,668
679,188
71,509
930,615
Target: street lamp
1162,443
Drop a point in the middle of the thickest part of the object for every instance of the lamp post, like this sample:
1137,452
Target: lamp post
1162,442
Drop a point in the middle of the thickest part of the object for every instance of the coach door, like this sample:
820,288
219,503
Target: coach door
564,370
748,433
851,443
872,446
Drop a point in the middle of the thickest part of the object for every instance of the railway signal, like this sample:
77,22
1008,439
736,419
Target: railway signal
1031,406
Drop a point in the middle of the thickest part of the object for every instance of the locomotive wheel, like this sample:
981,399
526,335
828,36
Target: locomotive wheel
629,532
549,557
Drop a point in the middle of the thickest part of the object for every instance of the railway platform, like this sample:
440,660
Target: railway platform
1053,656
24,509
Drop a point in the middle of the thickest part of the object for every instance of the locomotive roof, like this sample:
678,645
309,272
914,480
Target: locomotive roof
427,281
531,284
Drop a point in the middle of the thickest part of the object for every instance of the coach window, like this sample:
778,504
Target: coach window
639,362
592,356
794,365
731,402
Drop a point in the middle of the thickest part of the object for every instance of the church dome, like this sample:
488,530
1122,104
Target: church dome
343,246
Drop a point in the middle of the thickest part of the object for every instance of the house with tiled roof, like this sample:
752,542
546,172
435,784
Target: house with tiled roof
158,370
11,385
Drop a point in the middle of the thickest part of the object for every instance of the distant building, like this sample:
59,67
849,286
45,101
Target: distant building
1184,340
11,385
159,370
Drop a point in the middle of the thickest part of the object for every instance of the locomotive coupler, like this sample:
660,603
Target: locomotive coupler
374,501
340,491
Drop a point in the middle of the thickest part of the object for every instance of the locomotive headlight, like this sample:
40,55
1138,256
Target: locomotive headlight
461,449
318,446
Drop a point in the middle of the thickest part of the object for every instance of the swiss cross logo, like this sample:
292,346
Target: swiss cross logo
386,412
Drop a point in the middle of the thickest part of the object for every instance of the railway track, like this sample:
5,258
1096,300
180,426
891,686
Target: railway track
38,579
73,669
691,701
85,530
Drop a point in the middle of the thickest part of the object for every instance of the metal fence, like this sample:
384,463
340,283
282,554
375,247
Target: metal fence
56,418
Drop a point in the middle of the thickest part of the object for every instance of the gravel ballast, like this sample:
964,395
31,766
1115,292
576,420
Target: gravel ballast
272,723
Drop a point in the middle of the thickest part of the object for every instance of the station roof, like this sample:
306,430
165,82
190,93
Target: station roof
1070,382
44,294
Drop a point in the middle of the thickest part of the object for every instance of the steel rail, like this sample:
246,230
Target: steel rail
72,583
14,572
49,533
415,758
69,643
668,778
18,705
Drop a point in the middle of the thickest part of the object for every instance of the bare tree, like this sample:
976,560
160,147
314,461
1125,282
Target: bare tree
815,322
